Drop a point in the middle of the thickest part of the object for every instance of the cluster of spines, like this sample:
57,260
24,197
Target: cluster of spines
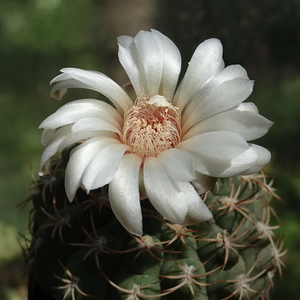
233,256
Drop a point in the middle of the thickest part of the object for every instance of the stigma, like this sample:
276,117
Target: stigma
151,126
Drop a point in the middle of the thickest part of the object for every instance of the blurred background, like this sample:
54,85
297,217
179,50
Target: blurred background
39,37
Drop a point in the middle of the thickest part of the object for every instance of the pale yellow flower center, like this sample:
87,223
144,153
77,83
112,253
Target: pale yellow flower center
151,125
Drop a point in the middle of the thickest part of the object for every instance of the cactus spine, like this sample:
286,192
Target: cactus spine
80,251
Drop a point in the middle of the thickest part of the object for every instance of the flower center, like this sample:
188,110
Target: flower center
151,125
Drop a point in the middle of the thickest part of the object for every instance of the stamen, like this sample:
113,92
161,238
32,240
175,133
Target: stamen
151,125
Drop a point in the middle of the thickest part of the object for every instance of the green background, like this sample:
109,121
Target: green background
39,37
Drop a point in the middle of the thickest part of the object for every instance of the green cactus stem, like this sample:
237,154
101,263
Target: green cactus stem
79,250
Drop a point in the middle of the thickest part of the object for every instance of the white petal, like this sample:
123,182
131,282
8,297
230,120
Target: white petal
93,124
84,108
176,201
218,144
47,135
197,210
249,125
228,74
163,191
102,168
264,157
247,106
241,163
64,82
171,64
79,160
212,167
93,80
213,152
45,169
124,195
250,161
178,164
218,99
205,63
203,183
127,54
61,139
151,61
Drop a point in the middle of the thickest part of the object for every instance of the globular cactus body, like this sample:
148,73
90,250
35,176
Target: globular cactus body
79,250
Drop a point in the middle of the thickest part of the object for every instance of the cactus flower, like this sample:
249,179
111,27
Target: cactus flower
157,138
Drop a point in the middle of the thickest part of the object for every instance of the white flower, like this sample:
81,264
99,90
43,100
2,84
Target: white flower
165,144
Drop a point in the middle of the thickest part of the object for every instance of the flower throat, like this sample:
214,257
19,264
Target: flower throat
151,125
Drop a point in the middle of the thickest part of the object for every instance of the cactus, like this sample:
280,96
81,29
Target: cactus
152,195
80,250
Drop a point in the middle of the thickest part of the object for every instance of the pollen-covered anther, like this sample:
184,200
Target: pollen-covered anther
151,125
